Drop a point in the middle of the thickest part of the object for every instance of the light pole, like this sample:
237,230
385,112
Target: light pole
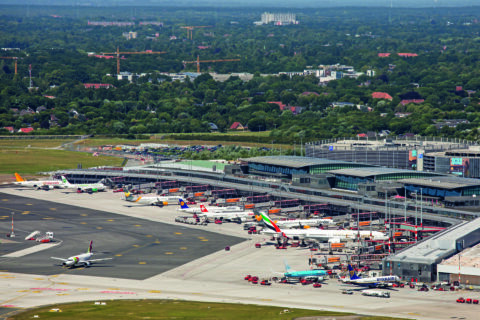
12,234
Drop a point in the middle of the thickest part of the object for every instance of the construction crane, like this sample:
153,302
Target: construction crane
118,53
190,30
198,61
15,60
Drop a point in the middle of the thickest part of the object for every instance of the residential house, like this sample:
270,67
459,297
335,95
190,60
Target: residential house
381,95
9,129
237,126
25,130
98,85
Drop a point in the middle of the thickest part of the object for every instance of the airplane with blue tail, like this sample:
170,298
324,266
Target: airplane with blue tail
313,274
371,282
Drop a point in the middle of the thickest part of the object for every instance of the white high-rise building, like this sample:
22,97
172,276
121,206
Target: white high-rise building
278,19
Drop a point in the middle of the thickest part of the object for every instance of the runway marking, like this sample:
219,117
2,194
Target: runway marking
136,245
204,240
113,288
266,299
37,291
138,225
168,252
413,313
201,238
99,228
54,276
4,199
7,277
149,236
110,220
175,232
183,248
39,279
83,288
4,216
84,214
142,262
155,291
118,255
63,283
53,209
29,204
48,218
83,223
63,294
157,241
25,212
23,290
197,293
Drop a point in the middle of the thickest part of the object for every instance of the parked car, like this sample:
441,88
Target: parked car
460,300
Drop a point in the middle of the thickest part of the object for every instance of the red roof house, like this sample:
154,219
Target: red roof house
26,130
9,129
381,95
237,126
407,55
417,101
384,55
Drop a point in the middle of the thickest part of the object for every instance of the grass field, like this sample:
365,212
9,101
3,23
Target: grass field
174,309
32,161
33,143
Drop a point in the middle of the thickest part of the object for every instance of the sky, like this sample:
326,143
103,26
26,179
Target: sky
255,3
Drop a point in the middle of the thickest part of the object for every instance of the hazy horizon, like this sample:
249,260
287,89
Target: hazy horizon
251,3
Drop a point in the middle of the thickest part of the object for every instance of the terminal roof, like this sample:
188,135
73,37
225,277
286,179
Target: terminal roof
443,182
294,161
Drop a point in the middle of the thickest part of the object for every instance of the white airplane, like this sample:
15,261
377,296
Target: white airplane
332,236
82,259
225,214
85,187
152,201
50,184
301,223
372,282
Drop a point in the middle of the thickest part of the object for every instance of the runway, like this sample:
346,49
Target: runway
139,248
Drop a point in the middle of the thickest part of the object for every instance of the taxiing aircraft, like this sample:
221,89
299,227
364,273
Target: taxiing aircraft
82,259
313,274
372,282
185,208
50,184
151,201
86,187
332,236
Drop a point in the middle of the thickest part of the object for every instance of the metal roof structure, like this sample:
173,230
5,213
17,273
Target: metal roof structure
296,162
439,246
443,182
374,171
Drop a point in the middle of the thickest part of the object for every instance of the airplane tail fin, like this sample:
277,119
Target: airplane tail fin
203,209
65,181
128,196
19,178
269,222
90,247
183,204
287,266
351,272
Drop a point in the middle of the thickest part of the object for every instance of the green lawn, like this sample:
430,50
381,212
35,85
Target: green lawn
172,309
34,143
32,161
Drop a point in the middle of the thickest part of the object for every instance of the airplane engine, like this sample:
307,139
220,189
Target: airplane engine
70,263
87,264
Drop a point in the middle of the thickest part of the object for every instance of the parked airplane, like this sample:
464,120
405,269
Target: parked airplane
333,236
185,208
301,223
50,184
313,274
87,187
82,259
225,214
151,201
372,282
221,209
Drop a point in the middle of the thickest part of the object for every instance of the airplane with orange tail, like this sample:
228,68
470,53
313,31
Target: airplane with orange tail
40,184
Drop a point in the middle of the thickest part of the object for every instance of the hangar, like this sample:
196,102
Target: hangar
420,261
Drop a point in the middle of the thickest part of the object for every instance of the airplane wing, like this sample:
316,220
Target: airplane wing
96,260
61,259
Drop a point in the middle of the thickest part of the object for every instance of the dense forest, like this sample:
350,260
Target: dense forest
440,81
